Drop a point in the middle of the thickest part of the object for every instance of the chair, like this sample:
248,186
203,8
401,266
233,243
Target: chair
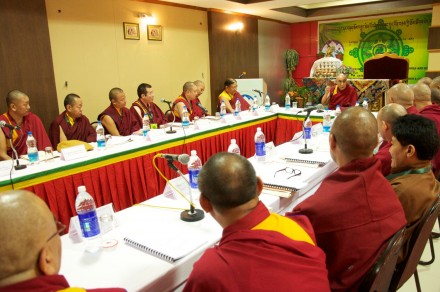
380,275
387,66
431,246
417,243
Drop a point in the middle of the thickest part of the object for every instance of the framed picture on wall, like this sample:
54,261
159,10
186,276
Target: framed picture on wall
154,32
131,31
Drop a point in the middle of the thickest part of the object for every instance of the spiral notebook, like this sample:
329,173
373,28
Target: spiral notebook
319,158
167,246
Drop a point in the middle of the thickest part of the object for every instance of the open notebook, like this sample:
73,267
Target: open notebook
317,157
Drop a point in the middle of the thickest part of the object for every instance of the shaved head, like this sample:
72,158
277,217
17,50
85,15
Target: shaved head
421,92
435,83
401,94
14,96
386,118
425,80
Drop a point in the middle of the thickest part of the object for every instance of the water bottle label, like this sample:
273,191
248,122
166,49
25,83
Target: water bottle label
260,148
308,132
193,178
287,107
145,132
185,123
101,143
326,128
33,157
267,107
89,224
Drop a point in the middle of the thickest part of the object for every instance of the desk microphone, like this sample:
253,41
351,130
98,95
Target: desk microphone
258,91
182,158
242,75
165,101
10,127
202,107
319,108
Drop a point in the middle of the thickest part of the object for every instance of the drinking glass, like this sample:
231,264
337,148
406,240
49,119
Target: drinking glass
48,151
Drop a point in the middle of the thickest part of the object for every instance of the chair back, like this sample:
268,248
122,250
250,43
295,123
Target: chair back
417,244
386,66
380,275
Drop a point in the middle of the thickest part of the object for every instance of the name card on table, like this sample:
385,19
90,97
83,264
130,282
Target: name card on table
228,119
156,135
74,152
275,108
179,183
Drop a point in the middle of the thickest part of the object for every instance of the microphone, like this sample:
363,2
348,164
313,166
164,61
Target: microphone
258,91
10,127
242,75
182,158
202,107
319,108
165,101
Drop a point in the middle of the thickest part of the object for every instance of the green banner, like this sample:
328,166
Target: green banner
405,36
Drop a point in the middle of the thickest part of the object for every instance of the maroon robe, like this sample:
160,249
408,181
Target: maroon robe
384,156
244,105
189,108
81,130
32,123
344,98
125,123
260,260
412,110
354,213
198,112
49,283
432,112
154,113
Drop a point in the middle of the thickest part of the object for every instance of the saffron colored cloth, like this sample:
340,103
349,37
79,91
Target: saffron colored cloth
384,156
81,129
244,105
412,110
262,252
354,213
344,98
32,123
189,107
432,112
50,283
125,123
154,113
416,192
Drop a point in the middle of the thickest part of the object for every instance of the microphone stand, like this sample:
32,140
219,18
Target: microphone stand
18,166
171,131
305,150
193,214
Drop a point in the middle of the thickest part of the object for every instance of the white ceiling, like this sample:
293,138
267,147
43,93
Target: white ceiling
311,10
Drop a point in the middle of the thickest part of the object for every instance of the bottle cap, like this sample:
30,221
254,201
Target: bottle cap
233,141
193,152
81,189
258,129
29,133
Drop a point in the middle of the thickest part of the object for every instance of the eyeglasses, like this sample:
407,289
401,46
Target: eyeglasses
60,228
289,170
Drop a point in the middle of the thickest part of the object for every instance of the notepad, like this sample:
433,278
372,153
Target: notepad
320,158
167,246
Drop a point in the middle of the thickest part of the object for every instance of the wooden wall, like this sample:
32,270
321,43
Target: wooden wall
230,52
25,56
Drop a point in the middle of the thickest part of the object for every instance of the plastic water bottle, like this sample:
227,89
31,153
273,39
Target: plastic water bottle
327,122
365,104
255,104
260,145
337,111
308,129
145,125
88,220
185,117
222,109
32,149
237,107
194,167
100,136
267,103
287,103
233,147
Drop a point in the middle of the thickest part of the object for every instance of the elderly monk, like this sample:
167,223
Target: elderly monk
435,83
341,94
30,245
189,94
117,119
259,250
230,96
401,93
355,211
71,124
19,115
199,109
385,120
145,105
415,142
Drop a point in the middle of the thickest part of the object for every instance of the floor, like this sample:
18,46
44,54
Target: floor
429,275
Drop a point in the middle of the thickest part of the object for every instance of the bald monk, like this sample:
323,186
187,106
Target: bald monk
117,120
187,98
30,245
425,80
435,95
385,120
71,124
435,83
259,250
342,94
19,114
422,95
401,93
355,211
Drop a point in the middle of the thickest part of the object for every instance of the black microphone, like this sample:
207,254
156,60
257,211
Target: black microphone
256,90
319,108
182,158
241,75
10,127
202,107
165,101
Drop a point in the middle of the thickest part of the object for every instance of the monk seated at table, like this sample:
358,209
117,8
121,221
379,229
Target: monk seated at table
259,250
401,93
71,124
19,116
341,94
145,105
355,211
117,120
189,94
230,95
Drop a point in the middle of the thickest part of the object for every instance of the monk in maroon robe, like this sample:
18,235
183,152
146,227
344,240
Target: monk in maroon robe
199,110
230,95
145,105
117,120
341,94
355,211
71,124
258,251
30,253
189,93
401,93
19,116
